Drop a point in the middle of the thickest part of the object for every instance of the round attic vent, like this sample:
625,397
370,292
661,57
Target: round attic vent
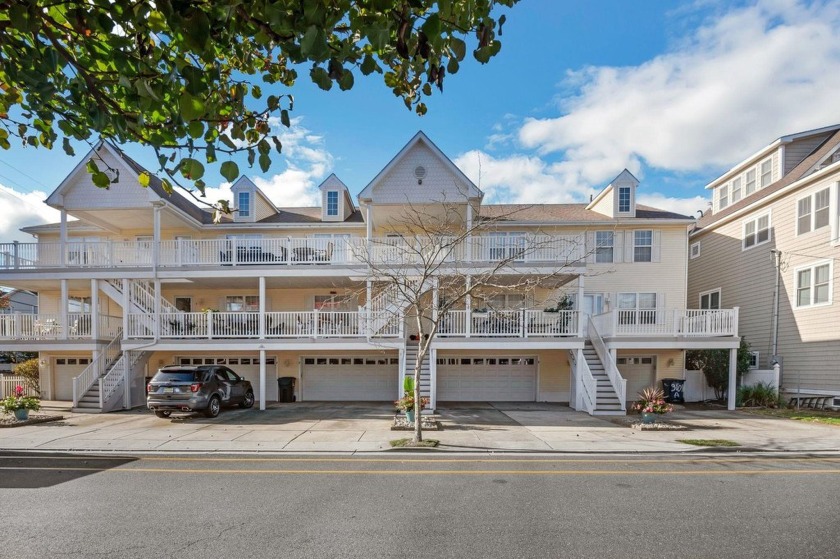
420,172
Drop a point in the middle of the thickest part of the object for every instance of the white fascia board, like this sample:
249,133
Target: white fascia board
600,223
275,226
801,183
514,344
673,343
269,344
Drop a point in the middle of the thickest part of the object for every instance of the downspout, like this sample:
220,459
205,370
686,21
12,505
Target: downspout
778,263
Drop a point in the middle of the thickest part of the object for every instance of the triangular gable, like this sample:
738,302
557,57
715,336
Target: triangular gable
245,182
332,182
624,176
419,173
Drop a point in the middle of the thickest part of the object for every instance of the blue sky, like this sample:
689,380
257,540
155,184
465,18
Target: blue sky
675,91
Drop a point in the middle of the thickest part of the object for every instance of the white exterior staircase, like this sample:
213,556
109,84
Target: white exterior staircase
606,400
409,362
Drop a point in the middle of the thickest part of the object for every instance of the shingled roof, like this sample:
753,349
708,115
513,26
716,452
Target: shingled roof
553,213
800,171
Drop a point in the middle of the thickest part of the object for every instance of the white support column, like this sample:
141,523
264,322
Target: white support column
94,309
468,304
157,309
62,235
65,327
368,232
469,243
433,379
262,308
733,379
126,381
126,306
262,379
582,326
435,299
368,314
156,234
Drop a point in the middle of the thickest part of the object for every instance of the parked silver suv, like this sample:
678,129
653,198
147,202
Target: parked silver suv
204,388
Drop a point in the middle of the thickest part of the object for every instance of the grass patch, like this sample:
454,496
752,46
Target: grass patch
708,442
409,443
812,416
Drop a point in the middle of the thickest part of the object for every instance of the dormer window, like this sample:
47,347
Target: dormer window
332,203
624,199
244,204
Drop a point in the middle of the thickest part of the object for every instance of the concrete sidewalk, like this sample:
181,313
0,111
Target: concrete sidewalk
348,428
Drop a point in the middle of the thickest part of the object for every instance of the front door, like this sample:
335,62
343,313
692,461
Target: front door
593,304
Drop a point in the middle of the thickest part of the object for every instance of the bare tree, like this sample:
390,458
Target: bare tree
435,259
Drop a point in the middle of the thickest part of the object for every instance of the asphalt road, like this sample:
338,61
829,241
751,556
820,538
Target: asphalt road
469,506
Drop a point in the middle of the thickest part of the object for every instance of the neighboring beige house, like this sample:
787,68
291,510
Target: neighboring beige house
769,245
143,279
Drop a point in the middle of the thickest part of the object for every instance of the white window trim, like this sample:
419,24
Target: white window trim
755,219
691,254
611,246
337,203
250,211
760,175
754,355
813,266
709,293
629,209
651,245
813,213
723,189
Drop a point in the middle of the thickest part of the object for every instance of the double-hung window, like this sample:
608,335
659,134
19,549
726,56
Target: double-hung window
749,186
766,172
736,189
604,247
332,203
643,246
756,231
813,285
624,199
244,202
723,196
812,211
242,303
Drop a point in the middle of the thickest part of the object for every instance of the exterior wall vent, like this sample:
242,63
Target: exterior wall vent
420,173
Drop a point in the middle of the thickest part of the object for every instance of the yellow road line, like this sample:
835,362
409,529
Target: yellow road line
442,460
433,472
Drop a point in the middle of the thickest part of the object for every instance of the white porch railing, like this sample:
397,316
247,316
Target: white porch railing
278,324
619,384
523,323
283,251
98,368
45,326
668,322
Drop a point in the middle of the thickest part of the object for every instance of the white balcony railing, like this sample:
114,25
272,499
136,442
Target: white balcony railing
28,326
523,323
284,251
668,322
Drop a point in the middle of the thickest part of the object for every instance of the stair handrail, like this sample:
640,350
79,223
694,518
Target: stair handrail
116,376
588,393
97,368
618,382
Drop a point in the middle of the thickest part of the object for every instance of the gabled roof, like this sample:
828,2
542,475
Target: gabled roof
805,168
155,184
562,214
247,182
308,215
625,174
420,137
333,181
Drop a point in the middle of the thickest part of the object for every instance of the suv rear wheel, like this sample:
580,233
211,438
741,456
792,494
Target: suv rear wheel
213,407
248,401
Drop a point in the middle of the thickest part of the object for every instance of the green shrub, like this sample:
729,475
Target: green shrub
29,370
759,395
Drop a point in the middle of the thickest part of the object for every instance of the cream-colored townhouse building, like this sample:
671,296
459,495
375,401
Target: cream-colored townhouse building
769,245
133,279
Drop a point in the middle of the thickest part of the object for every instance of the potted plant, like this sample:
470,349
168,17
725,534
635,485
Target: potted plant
407,403
19,404
651,403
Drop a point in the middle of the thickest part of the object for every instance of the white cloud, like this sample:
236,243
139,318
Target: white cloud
740,81
730,87
23,209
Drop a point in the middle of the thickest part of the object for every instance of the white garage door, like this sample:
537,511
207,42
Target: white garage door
640,373
65,369
487,379
361,379
247,368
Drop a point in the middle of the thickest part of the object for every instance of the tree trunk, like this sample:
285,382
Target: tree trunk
418,429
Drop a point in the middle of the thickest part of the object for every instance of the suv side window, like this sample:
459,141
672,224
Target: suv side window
231,376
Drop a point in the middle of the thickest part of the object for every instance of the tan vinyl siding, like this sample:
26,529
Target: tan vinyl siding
809,338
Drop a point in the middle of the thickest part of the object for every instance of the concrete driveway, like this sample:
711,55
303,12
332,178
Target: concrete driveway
363,427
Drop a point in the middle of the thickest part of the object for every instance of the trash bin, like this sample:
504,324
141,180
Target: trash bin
286,389
673,389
